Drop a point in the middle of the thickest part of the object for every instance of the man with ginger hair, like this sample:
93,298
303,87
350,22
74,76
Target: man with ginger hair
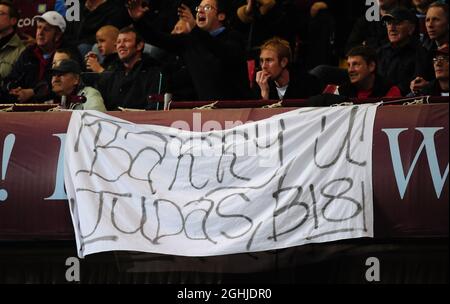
275,80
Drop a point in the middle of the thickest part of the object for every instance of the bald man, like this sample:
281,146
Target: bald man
106,38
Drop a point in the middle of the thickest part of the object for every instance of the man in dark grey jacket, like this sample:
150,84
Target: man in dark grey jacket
403,59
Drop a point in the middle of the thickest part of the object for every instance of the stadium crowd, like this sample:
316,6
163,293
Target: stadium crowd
120,53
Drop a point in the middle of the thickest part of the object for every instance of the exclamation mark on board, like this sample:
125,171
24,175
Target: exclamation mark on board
7,149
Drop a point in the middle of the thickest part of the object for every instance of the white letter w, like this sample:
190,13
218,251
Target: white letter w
430,149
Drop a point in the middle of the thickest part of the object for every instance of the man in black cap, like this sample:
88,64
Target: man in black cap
67,85
402,59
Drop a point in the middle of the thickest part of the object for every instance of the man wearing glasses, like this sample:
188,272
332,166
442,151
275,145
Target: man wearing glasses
403,59
214,55
439,86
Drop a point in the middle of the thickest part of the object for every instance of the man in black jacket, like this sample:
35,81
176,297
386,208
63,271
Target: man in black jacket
437,29
403,59
138,76
275,81
214,55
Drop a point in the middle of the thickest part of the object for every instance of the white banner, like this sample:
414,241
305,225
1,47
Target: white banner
300,177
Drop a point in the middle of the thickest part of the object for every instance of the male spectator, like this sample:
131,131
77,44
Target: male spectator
30,78
402,59
365,82
275,81
67,85
437,25
135,79
420,9
10,44
106,42
369,33
28,9
437,29
439,86
214,54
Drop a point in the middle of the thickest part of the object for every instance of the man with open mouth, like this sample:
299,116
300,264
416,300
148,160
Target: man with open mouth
214,54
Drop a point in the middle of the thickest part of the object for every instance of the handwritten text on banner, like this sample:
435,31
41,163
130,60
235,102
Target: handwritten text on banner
299,177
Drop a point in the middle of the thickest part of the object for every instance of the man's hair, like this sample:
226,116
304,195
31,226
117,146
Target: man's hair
131,29
109,29
280,46
73,54
367,53
443,6
13,12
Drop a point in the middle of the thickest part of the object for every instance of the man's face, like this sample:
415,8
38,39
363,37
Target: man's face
126,46
6,22
46,35
106,43
64,83
399,31
358,69
441,67
207,17
270,63
436,23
